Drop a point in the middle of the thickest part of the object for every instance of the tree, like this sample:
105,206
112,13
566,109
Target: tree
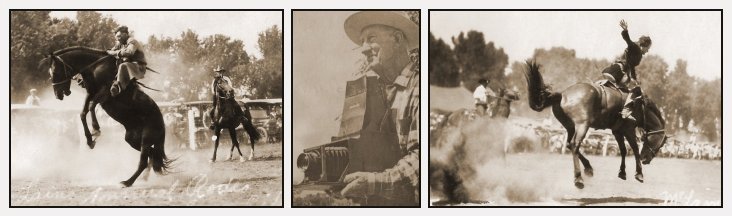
96,31
677,100
443,68
478,59
29,40
266,73
652,72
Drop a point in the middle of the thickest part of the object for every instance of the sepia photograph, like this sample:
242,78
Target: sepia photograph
146,108
575,108
355,108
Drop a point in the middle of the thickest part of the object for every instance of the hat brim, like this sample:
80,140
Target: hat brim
358,21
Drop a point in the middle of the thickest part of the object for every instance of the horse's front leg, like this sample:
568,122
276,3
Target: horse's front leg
636,154
217,133
623,151
89,141
95,124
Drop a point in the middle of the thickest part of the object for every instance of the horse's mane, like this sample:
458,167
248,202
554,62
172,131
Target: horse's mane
75,48
654,108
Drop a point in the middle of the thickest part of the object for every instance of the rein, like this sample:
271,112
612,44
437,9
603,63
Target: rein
66,66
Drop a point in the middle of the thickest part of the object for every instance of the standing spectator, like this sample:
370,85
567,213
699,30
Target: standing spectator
33,99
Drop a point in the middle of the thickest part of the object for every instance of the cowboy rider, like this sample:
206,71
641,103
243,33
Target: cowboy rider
131,59
623,71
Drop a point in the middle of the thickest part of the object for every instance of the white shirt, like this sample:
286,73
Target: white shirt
33,100
480,94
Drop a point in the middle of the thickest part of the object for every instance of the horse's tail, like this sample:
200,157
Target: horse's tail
540,96
251,130
160,162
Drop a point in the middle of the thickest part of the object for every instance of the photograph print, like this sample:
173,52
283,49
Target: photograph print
575,108
130,108
355,108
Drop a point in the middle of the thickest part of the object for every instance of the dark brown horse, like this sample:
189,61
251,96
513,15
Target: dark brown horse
583,106
135,110
228,114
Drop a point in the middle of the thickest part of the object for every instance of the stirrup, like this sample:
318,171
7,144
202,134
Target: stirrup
116,89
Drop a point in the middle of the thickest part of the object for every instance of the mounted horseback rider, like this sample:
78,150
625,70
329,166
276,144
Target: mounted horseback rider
622,72
130,60
221,80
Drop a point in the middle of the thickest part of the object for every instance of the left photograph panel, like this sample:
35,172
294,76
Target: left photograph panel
130,108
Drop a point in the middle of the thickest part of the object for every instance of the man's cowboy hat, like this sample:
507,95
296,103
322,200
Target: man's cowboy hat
121,29
360,20
219,69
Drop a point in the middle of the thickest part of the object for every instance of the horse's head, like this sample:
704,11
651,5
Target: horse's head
655,134
61,75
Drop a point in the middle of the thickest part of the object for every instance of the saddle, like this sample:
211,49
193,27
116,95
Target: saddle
601,86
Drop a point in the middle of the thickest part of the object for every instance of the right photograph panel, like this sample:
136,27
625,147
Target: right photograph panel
575,108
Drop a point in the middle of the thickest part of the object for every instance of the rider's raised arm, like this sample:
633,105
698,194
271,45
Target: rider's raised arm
626,37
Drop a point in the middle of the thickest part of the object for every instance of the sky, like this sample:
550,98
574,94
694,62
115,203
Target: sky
324,59
243,25
694,36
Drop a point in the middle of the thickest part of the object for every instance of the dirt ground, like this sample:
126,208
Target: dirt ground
44,173
547,179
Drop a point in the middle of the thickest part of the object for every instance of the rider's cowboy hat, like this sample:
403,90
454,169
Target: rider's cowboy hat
121,29
358,21
219,69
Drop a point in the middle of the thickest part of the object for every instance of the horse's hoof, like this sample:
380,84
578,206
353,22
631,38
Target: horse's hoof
639,177
124,184
242,160
91,143
589,172
621,175
579,183
212,161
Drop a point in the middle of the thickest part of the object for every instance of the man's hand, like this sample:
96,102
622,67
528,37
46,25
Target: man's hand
358,184
111,52
623,24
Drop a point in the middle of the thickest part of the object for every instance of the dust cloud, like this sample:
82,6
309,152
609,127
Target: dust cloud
469,165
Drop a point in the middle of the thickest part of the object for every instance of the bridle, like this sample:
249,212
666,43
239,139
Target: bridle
68,68
647,133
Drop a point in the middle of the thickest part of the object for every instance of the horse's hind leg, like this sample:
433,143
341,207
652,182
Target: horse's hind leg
146,174
581,131
144,154
623,151
251,147
235,143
